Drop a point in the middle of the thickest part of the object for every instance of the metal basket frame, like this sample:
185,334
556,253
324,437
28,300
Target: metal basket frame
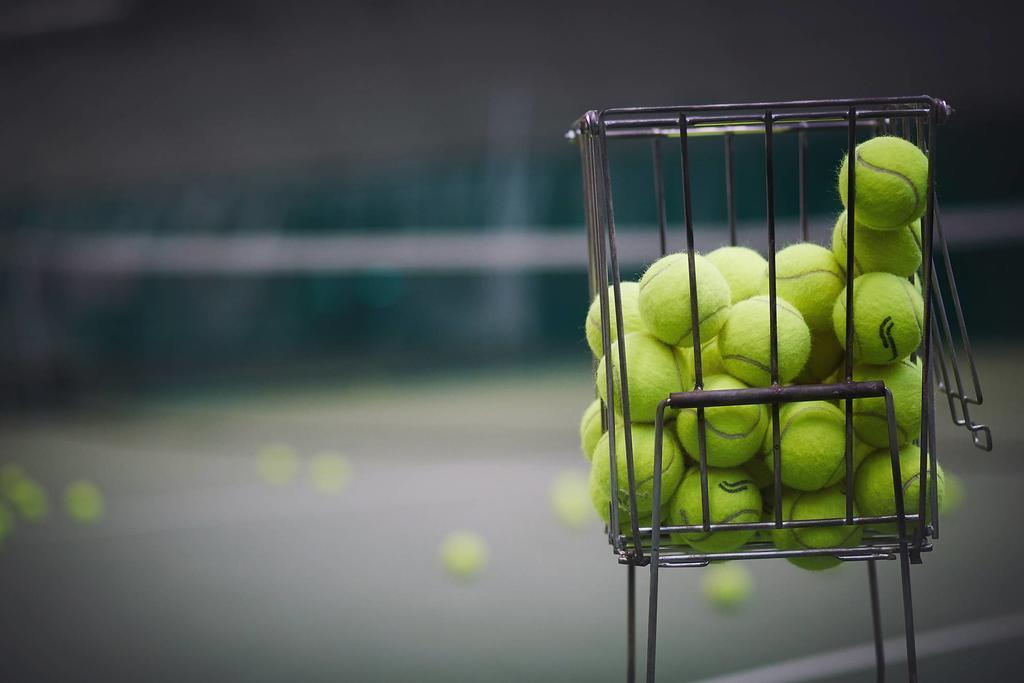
913,118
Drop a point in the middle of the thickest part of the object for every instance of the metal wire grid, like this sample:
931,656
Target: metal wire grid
915,119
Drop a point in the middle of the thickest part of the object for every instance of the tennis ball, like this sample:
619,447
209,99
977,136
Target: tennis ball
590,428
887,314
727,586
733,433
665,299
277,463
956,492
744,269
892,182
329,472
812,441
745,342
653,371
570,498
7,521
870,420
630,293
733,497
672,467
710,361
826,356
29,499
463,554
83,501
889,251
873,487
829,503
808,277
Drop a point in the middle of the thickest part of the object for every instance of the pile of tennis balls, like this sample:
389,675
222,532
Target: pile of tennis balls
733,314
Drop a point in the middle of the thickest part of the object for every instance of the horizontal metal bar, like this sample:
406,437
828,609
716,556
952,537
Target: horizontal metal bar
889,551
790,104
776,394
786,524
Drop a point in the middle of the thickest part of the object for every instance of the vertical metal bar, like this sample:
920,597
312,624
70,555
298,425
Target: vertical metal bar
631,624
623,377
773,323
684,155
901,527
659,194
927,392
876,622
729,189
802,147
652,608
851,235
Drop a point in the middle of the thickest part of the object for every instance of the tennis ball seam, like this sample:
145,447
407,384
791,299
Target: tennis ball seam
725,520
909,292
728,435
666,264
640,482
700,321
679,371
801,411
857,268
905,179
805,273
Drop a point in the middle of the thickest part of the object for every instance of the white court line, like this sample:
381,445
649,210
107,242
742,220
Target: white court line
861,657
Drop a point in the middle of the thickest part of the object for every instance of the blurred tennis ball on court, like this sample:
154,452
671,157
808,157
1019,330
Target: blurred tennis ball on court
83,501
29,500
727,586
7,521
570,499
10,474
463,554
278,463
329,472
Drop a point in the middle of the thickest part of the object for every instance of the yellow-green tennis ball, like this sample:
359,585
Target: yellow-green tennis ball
743,268
83,502
870,419
30,500
710,361
888,251
956,492
590,429
873,487
653,371
733,497
464,554
329,473
7,522
812,445
727,586
826,356
808,277
733,433
892,182
829,503
277,463
630,293
672,467
570,499
745,342
887,315
10,474
665,299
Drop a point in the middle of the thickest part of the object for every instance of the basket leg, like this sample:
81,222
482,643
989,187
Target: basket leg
631,625
652,621
908,613
876,622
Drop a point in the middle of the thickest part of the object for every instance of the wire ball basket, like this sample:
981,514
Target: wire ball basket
947,360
